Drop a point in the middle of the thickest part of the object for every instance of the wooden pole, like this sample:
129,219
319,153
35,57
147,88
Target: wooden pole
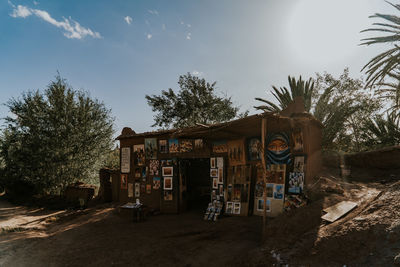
264,164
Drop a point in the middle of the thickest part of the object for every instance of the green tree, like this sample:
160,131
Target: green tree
378,68
196,102
341,104
382,131
54,138
284,96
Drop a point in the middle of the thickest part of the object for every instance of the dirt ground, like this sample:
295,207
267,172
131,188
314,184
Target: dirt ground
368,236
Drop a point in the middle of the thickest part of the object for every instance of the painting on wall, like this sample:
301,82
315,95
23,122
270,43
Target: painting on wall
198,144
130,190
220,175
154,167
253,148
298,165
278,150
244,192
279,191
150,147
236,208
168,195
167,171
219,146
213,163
296,182
167,183
220,162
163,146
186,145
148,188
229,207
139,155
215,183
260,205
236,152
173,146
297,136
137,189
125,159
275,177
214,172
236,192
137,172
156,182
270,190
124,181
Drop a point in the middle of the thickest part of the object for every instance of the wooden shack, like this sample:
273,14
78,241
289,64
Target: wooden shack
181,169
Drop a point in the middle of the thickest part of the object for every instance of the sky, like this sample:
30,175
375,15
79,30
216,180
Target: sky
119,51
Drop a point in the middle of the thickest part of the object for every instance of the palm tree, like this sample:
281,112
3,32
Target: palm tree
285,96
379,67
380,131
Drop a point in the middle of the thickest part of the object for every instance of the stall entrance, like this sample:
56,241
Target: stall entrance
195,185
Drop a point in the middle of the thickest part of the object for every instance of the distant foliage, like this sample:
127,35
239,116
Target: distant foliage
196,102
54,138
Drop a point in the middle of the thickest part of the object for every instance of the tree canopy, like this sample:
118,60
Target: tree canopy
196,102
54,138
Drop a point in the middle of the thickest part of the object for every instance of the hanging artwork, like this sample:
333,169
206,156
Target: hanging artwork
186,146
220,162
166,162
296,182
253,148
167,183
236,208
213,163
214,172
270,190
244,192
275,177
215,183
144,173
154,167
278,191
229,193
219,146
125,159
278,151
167,171
229,207
260,205
220,175
130,189
148,188
150,148
124,181
198,144
142,188
298,165
168,195
137,189
221,190
173,145
163,146
259,190
236,192
137,172
236,152
139,155
156,182
297,136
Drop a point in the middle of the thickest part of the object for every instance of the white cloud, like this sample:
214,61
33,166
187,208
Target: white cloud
189,36
72,29
35,3
197,73
20,12
163,27
188,25
153,12
149,36
128,19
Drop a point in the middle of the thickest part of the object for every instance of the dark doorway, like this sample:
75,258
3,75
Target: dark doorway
195,184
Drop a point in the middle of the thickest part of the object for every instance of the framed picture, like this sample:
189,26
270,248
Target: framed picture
150,148
220,162
163,146
253,148
167,183
298,165
297,136
154,167
142,188
278,149
137,189
236,207
219,146
156,183
198,144
237,190
186,145
215,183
260,205
279,191
168,195
220,175
236,152
296,182
221,190
270,190
148,188
173,146
214,172
138,172
125,159
229,207
130,190
167,171
139,155
213,163
124,181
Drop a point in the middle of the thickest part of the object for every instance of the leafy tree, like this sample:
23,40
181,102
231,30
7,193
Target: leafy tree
380,131
112,160
284,96
341,104
381,65
196,102
54,138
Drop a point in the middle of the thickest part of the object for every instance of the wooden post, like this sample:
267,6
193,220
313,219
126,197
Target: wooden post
264,164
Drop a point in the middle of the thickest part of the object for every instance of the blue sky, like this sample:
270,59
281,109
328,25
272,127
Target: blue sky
119,51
